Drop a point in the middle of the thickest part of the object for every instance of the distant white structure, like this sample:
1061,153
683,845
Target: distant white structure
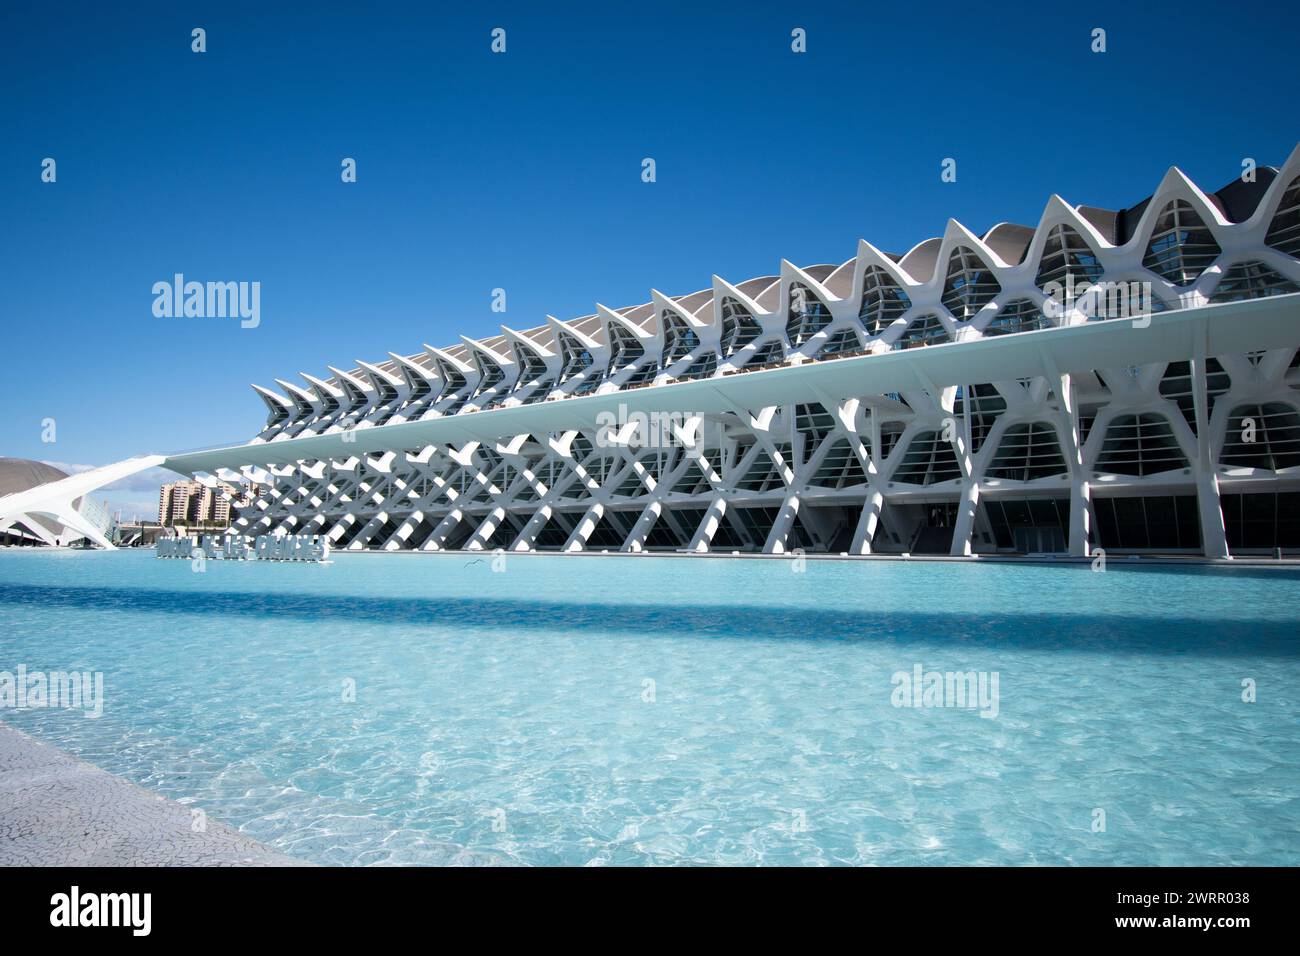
41,503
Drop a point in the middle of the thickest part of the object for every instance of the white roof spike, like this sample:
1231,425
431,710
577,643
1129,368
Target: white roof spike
1202,198
663,302
1293,159
355,388
525,341
450,360
276,404
347,377
1172,180
956,232
276,397
1056,210
610,317
294,390
304,401
375,372
413,366
492,354
871,256
1055,204
792,272
721,287
557,326
323,386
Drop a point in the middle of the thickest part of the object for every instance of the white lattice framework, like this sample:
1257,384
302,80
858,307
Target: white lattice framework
977,466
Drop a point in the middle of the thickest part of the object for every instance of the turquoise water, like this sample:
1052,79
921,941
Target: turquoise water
509,717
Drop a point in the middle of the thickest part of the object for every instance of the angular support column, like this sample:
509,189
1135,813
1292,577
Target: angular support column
479,539
582,533
34,527
340,527
313,525
404,531
780,533
287,525
967,508
641,530
1214,536
70,518
868,522
528,537
1082,520
358,542
713,518
445,527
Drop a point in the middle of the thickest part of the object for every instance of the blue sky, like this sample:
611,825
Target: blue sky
522,170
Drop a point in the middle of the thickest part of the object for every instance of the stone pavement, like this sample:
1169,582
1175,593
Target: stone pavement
56,810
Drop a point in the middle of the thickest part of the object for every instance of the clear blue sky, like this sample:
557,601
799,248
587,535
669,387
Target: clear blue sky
522,170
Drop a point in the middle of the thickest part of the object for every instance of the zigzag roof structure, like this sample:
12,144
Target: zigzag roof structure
969,397
734,323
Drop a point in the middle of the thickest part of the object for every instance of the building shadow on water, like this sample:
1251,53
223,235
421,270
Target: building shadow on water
1101,632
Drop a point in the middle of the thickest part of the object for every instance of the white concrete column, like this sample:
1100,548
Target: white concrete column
780,533
1214,535
286,524
445,527
404,531
967,508
868,522
358,542
340,527
528,537
478,540
263,525
641,530
578,540
1082,518
313,525
713,518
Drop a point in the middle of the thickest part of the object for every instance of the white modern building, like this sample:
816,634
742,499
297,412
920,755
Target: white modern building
37,507
971,396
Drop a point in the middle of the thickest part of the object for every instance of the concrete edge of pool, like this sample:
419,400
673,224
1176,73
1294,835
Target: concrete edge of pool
59,810
1118,559
1121,559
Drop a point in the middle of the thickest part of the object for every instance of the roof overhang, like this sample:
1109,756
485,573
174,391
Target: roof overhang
1170,336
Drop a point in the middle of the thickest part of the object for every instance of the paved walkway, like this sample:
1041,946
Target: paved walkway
56,810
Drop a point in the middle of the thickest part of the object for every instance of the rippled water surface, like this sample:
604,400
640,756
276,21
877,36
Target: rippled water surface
589,710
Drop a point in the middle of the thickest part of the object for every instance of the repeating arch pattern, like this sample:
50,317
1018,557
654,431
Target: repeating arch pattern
989,465
1181,247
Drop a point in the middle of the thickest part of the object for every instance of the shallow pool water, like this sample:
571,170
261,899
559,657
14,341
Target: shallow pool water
624,710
